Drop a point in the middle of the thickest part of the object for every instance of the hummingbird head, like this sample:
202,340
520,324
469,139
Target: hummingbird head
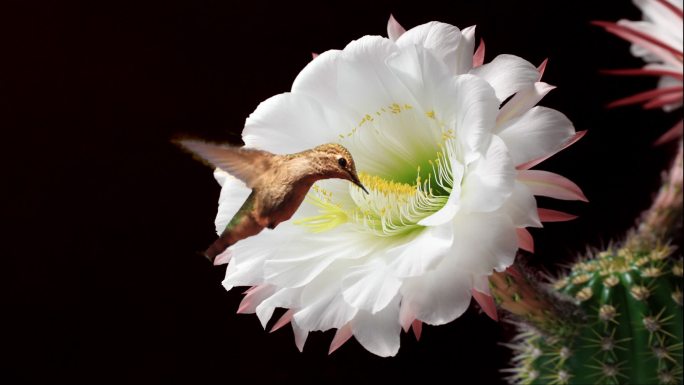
338,163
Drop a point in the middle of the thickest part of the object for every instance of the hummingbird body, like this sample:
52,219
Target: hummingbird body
279,183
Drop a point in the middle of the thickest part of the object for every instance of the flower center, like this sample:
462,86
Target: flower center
389,209
392,208
391,146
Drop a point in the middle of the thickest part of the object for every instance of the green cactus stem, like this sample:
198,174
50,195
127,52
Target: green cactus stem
615,318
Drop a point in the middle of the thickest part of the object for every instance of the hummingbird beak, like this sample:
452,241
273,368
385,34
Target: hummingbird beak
356,181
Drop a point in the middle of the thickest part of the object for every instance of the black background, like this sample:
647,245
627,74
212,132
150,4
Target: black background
104,216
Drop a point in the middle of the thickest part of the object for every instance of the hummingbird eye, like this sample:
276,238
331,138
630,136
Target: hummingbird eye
342,162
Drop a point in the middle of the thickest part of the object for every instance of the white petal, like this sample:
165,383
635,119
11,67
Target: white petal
422,252
379,332
297,272
248,256
537,133
439,296
443,215
258,258
521,207
508,74
421,71
364,80
255,296
355,81
489,180
442,39
484,242
319,81
220,176
465,51
328,313
481,283
465,104
300,261
245,273
299,335
285,298
322,305
468,105
660,15
234,192
370,287
522,102
289,123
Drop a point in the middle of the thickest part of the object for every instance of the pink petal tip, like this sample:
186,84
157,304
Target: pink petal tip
542,68
673,133
342,335
478,57
417,327
572,140
284,320
552,185
648,96
548,215
525,240
394,29
486,303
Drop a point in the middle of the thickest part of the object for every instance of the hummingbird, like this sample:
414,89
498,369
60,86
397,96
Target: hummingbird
279,183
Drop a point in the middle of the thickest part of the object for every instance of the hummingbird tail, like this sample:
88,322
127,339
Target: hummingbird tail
216,248
242,225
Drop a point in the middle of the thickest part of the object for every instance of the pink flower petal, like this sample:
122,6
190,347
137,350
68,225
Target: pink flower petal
394,29
406,319
253,297
527,165
673,133
655,46
478,57
663,100
284,320
342,335
643,72
646,95
551,185
542,68
223,258
486,303
250,289
548,215
525,240
417,327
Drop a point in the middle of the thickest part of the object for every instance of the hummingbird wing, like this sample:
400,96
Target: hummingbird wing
245,164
